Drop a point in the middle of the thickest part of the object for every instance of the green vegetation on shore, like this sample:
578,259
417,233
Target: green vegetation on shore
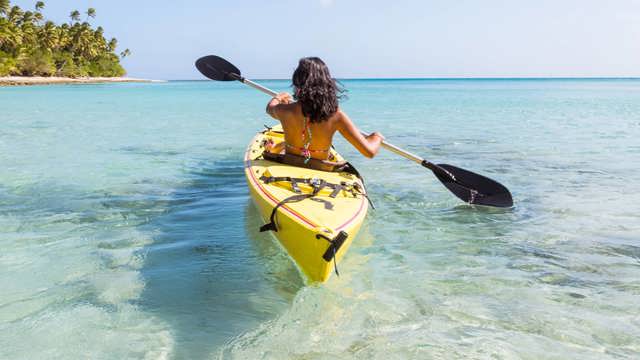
33,46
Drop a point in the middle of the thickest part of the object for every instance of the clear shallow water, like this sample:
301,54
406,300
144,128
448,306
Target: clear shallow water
126,230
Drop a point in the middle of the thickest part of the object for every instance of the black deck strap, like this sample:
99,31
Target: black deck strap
354,188
366,196
333,248
361,191
350,169
271,226
335,262
270,128
327,204
294,181
336,190
270,179
318,184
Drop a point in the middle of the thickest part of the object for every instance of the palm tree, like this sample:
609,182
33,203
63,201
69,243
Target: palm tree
27,17
9,35
28,29
113,43
49,36
4,6
10,32
38,15
15,14
91,13
63,35
75,15
99,40
85,45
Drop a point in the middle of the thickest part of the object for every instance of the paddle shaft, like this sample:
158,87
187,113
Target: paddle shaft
258,87
415,158
397,150
386,145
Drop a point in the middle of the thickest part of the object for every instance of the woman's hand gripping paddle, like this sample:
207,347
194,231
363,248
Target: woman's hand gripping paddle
468,186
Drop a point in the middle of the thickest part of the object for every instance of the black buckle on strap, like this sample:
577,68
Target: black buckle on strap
294,186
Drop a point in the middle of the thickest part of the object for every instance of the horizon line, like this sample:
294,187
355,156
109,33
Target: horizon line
457,78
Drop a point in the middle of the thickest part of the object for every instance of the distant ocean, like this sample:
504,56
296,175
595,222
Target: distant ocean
126,229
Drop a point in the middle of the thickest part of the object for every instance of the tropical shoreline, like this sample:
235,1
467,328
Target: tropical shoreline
51,80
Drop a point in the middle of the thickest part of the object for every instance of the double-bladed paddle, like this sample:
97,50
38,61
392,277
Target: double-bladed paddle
470,187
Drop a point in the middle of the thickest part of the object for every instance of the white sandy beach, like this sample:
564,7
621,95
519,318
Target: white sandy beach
42,80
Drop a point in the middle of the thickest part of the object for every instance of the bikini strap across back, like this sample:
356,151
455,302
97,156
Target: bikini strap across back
306,136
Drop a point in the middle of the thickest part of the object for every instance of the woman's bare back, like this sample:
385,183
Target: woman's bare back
296,130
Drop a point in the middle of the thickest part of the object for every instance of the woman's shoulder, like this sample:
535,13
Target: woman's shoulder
340,116
291,107
289,112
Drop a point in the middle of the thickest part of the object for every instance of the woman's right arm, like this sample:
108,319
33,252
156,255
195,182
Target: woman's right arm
274,105
367,145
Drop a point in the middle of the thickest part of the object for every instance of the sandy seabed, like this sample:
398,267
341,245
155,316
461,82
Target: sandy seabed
42,80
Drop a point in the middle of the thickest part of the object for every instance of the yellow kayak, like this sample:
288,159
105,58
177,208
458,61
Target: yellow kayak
317,213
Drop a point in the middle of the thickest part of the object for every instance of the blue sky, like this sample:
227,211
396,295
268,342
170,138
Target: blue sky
358,38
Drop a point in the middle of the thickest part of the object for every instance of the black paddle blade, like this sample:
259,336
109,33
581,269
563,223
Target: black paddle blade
217,68
473,188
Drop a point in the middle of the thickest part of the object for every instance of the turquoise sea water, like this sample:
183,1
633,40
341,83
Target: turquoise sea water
126,230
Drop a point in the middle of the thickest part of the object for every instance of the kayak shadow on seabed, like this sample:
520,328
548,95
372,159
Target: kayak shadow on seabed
209,274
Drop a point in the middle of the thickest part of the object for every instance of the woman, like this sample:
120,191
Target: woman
310,122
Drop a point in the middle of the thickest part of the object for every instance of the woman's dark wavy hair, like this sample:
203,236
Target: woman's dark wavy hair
316,91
